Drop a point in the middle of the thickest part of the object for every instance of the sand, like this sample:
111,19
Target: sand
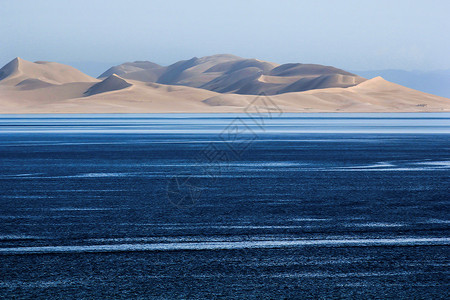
213,84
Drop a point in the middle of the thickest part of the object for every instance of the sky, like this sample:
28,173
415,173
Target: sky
353,35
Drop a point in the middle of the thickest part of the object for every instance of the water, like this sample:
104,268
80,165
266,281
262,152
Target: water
210,206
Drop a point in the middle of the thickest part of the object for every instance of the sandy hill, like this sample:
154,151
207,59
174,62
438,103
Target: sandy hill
109,84
436,82
29,75
139,70
219,83
226,73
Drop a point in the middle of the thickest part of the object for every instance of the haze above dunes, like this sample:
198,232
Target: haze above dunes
219,83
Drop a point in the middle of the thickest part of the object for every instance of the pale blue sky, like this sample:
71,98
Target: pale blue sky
354,35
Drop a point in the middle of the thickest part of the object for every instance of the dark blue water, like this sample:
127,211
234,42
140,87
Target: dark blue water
225,206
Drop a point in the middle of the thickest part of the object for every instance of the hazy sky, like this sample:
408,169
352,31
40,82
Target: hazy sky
354,35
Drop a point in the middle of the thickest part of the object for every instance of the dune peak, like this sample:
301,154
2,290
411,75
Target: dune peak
11,68
18,70
111,83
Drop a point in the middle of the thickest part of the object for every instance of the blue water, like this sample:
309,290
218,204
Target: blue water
225,206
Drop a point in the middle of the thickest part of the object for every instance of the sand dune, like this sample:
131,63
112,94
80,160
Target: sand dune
139,70
130,67
32,84
109,84
228,85
18,70
297,69
232,74
322,82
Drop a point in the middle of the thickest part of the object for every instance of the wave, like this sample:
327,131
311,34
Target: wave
196,246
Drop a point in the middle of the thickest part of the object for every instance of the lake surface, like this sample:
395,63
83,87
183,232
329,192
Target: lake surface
225,206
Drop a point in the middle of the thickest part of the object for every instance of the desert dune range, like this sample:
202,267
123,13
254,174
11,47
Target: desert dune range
212,84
